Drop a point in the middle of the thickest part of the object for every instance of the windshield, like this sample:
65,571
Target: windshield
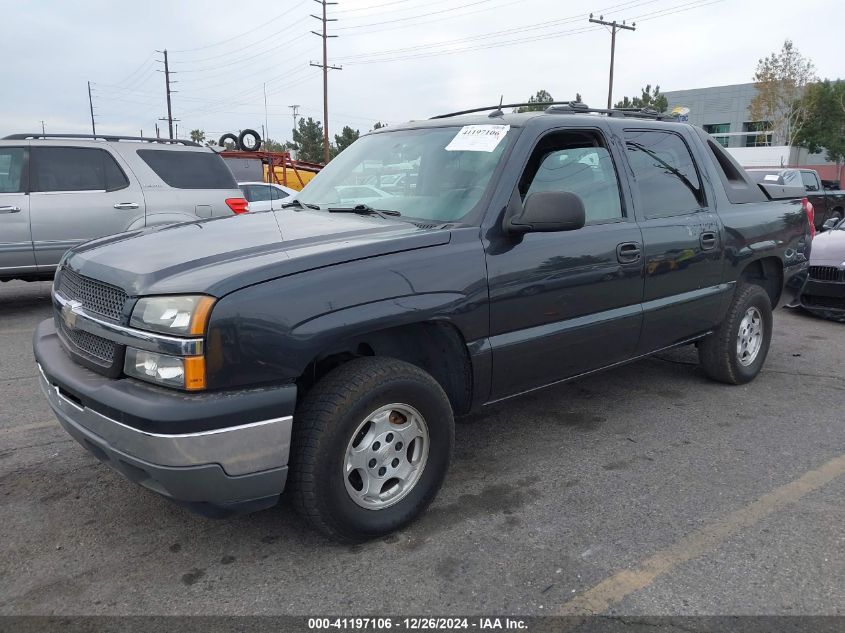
410,171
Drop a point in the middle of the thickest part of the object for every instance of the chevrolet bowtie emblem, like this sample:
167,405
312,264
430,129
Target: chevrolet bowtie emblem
68,314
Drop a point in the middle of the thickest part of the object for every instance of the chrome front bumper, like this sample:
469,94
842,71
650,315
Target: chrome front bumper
242,465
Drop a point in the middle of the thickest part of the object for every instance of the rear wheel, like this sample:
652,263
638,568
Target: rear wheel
736,351
371,446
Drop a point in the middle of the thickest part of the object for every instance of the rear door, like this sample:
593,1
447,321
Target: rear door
78,194
16,255
682,238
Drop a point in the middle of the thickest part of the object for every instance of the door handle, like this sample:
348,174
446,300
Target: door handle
708,240
10,209
126,205
628,252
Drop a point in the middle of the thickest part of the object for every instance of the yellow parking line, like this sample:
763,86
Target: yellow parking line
617,587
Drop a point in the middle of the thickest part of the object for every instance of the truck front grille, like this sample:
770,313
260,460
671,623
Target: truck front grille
827,273
95,296
98,349
818,301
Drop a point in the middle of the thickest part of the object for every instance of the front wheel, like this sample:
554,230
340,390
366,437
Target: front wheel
736,351
371,446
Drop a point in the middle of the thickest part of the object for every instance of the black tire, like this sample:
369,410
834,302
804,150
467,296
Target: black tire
323,428
228,137
249,148
718,354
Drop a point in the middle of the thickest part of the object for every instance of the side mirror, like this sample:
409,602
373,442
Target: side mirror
829,224
545,212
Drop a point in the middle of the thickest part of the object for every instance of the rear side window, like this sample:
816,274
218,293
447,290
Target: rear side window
12,170
665,176
189,170
277,194
256,193
75,169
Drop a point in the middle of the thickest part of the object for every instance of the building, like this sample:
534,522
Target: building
725,112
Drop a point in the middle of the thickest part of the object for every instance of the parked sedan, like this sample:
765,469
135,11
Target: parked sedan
823,293
265,196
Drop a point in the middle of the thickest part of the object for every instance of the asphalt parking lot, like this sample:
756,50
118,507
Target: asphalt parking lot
645,490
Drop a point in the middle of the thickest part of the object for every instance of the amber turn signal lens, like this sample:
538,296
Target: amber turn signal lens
195,373
199,320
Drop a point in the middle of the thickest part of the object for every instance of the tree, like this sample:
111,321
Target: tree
198,136
653,99
308,140
379,125
346,137
542,98
823,104
781,79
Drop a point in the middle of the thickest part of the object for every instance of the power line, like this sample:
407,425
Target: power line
248,32
325,66
520,29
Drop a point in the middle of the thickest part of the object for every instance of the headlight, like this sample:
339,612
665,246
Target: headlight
171,371
185,315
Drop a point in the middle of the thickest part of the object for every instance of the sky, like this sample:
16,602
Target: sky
401,59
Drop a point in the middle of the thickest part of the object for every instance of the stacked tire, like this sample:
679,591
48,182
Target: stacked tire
241,140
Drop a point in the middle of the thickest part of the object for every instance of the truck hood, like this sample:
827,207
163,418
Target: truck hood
220,255
828,249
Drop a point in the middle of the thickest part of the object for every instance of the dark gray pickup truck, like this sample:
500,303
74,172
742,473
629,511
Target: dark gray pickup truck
326,347
828,204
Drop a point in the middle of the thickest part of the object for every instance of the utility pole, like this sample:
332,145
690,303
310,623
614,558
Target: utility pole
325,66
293,108
614,26
43,130
167,82
266,127
91,106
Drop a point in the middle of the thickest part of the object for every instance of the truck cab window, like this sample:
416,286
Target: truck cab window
578,163
665,176
810,180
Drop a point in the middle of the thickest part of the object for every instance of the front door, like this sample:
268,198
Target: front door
562,304
78,194
16,256
682,239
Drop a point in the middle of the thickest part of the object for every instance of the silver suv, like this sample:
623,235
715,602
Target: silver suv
57,191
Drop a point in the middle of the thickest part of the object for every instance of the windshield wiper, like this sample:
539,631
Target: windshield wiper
302,205
365,209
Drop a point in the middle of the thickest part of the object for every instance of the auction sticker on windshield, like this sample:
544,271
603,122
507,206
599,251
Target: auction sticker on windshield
478,138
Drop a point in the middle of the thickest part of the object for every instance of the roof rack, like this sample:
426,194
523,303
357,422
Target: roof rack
104,137
569,107
498,107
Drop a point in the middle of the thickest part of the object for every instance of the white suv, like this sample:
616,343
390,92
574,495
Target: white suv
57,191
